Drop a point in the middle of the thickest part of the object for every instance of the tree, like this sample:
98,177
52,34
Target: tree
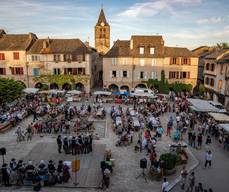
222,45
10,90
201,89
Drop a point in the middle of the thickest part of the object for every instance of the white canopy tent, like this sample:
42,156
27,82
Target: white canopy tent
142,94
30,90
108,93
224,126
74,92
202,106
220,117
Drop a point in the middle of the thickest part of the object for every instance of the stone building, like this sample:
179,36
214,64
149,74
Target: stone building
102,34
130,63
62,64
216,76
13,61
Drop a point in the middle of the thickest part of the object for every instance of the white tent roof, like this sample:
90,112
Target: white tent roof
75,92
221,117
102,93
142,94
52,91
202,105
30,90
224,126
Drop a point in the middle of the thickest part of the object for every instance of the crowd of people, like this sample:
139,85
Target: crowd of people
79,144
21,173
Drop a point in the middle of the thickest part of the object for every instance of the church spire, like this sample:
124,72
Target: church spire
102,18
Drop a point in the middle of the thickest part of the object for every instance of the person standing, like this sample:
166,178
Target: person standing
5,175
59,143
184,174
208,159
165,185
199,140
192,181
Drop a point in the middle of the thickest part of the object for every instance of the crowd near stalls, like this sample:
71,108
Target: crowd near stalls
19,172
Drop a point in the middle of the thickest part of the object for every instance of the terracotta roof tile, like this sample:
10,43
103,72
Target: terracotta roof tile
16,42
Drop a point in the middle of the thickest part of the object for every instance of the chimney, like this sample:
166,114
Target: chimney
87,44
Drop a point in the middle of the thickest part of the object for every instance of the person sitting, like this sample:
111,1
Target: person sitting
60,172
66,173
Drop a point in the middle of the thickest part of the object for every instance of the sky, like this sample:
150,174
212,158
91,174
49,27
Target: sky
183,23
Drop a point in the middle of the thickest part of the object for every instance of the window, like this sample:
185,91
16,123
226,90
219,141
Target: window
142,75
154,75
173,75
141,50
35,58
36,71
2,56
142,62
154,62
220,84
212,67
207,81
152,50
173,61
124,74
17,70
68,57
184,75
2,71
124,61
212,82
16,55
114,74
80,71
113,60
56,57
207,66
56,71
185,61
79,58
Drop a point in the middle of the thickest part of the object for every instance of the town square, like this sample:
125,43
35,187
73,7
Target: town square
115,105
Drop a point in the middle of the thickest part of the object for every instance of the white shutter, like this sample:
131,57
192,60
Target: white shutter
145,73
110,74
117,73
127,72
139,75
121,73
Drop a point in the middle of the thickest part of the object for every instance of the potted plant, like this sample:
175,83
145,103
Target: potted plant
169,161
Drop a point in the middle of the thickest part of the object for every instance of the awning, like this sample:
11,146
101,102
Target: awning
102,93
202,106
224,126
30,90
74,92
220,117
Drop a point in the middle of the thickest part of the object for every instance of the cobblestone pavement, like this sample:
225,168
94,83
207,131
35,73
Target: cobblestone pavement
126,160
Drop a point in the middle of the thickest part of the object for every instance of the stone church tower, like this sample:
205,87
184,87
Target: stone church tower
102,34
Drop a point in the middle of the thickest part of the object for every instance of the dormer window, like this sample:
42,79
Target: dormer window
56,57
152,50
68,57
141,50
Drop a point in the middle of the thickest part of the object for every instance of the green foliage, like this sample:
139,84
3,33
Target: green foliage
201,89
10,90
163,76
60,80
170,160
165,87
44,87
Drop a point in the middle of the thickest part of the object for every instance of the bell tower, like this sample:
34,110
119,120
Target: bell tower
102,34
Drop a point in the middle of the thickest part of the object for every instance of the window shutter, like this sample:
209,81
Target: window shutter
110,74
117,73
121,75
127,74
22,71
145,75
4,71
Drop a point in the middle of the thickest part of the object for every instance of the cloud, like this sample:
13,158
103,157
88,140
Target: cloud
212,20
153,7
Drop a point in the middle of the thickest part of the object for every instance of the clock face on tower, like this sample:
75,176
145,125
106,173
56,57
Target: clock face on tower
102,24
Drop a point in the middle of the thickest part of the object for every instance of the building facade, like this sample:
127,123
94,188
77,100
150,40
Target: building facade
102,34
130,63
62,64
13,60
216,75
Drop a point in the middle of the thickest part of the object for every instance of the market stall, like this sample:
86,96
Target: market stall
220,117
105,96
